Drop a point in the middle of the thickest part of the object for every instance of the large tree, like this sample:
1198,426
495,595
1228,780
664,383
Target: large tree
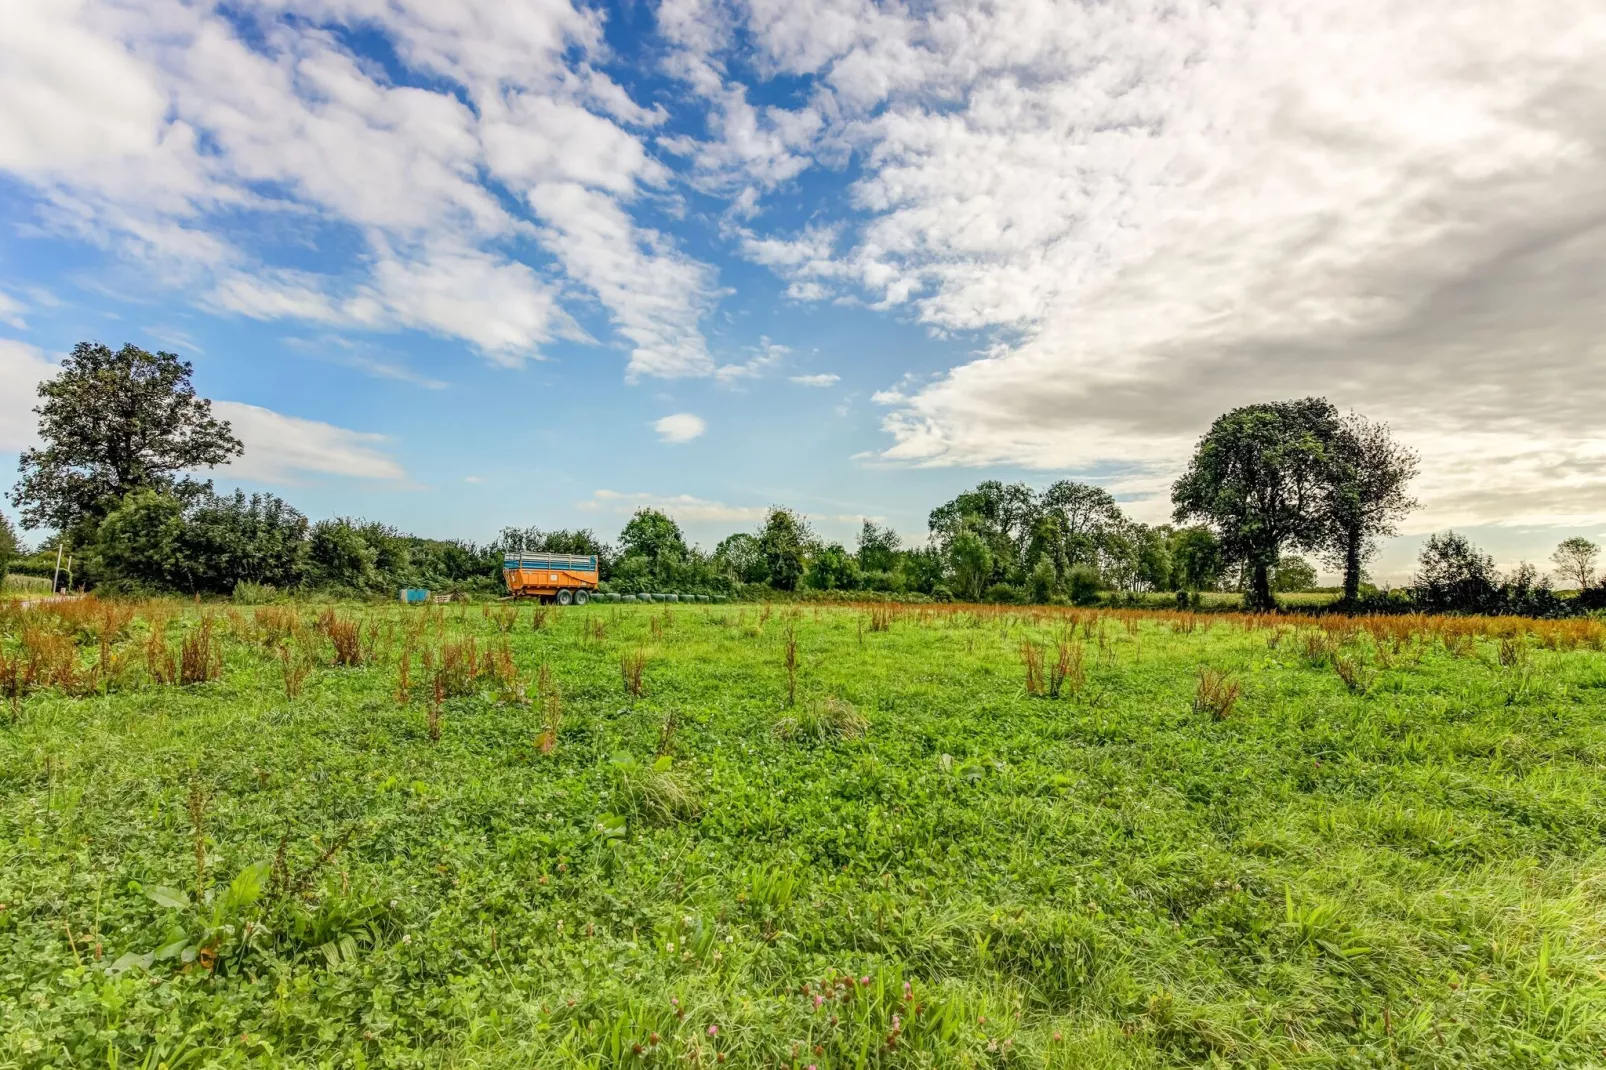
1366,494
785,541
1575,559
114,423
1259,477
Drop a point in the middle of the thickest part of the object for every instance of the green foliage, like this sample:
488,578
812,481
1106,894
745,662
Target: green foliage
1454,576
1083,584
878,547
1365,495
1196,559
972,563
112,424
10,546
1044,580
785,542
1293,573
339,556
1258,478
1575,558
832,568
740,557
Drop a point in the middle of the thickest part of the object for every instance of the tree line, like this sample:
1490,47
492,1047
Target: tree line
123,431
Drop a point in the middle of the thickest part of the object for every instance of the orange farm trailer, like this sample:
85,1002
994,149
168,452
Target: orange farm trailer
560,578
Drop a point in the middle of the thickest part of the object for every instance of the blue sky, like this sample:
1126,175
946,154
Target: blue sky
460,266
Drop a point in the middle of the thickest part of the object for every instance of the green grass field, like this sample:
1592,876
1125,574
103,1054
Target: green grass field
914,863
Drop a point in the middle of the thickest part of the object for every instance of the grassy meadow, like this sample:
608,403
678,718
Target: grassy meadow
638,836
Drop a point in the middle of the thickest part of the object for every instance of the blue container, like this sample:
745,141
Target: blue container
413,596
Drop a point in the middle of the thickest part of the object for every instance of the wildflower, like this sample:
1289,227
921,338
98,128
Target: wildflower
713,1030
1057,1036
407,938
817,1001
653,1039
671,945
864,980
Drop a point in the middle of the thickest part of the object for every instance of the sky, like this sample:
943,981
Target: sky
458,266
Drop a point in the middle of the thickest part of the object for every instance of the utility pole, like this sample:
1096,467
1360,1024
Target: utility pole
56,578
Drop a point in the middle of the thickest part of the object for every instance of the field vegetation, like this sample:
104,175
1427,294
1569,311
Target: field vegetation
784,836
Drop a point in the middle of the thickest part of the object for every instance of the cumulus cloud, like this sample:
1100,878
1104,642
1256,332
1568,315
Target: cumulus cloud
278,448
1150,219
822,379
22,367
173,120
11,311
287,449
683,507
680,427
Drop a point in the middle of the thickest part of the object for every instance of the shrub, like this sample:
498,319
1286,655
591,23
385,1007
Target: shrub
1454,576
1007,593
1083,584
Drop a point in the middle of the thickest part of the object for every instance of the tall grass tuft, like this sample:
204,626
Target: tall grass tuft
653,790
293,669
345,636
820,721
432,716
1067,673
200,655
1216,693
198,798
667,732
791,666
551,704
1358,677
1031,656
631,668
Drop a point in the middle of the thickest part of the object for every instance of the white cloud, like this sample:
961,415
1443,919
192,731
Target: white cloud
683,507
680,427
278,448
823,379
203,127
11,311
767,355
1157,218
655,295
22,367
286,449
473,479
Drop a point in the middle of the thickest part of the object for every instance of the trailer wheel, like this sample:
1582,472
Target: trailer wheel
581,598
565,597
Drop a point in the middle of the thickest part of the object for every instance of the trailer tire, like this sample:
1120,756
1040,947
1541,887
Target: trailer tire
581,598
565,597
